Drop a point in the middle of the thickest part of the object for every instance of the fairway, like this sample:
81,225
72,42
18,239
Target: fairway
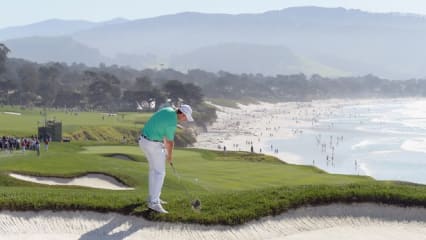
27,123
216,171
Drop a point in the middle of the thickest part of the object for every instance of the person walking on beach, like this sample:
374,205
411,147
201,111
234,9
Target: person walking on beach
157,141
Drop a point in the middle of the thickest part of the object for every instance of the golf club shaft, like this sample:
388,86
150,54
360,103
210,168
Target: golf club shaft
178,176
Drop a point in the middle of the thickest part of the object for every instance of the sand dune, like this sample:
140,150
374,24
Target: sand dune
336,221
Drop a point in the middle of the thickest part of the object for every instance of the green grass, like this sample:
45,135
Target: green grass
237,171
233,188
82,126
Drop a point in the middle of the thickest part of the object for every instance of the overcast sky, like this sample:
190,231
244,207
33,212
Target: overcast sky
22,12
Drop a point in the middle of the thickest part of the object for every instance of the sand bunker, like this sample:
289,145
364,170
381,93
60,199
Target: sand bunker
121,156
336,221
12,113
90,180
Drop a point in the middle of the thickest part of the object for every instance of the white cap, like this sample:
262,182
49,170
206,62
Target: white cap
187,110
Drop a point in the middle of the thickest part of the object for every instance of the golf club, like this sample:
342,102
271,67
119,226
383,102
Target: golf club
195,203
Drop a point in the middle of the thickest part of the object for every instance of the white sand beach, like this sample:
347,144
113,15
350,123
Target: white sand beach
336,221
255,124
381,138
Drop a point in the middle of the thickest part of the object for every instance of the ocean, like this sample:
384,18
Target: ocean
385,140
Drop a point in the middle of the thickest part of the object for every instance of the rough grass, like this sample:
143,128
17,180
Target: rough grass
233,188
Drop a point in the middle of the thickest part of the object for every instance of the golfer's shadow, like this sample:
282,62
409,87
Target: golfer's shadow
105,232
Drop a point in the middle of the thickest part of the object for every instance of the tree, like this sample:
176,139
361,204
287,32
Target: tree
49,85
66,98
99,94
7,88
143,84
29,78
194,95
3,56
104,90
115,84
174,90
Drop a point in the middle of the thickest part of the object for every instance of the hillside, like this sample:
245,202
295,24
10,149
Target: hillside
61,49
352,42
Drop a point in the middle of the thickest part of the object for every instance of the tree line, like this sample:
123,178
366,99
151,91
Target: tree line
115,88
293,87
78,86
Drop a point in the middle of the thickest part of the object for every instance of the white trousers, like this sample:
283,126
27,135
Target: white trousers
156,155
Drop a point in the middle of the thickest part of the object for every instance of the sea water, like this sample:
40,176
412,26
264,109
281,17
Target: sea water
385,140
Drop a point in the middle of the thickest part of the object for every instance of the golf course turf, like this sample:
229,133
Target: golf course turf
234,188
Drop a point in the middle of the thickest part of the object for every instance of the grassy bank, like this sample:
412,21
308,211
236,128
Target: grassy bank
82,126
234,188
94,127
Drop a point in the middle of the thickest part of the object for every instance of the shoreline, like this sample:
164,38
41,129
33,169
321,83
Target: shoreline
238,128
271,127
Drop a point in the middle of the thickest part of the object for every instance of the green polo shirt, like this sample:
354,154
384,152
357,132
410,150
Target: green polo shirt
162,124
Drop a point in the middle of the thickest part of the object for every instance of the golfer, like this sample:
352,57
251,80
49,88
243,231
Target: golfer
157,143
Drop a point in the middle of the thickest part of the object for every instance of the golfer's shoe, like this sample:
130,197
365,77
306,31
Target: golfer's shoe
161,202
157,207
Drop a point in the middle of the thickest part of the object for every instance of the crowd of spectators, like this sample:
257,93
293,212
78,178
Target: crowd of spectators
10,143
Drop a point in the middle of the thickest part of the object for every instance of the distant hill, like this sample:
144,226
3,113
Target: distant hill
247,58
53,27
62,49
327,40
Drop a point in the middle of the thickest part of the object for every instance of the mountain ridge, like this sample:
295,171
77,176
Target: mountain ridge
348,40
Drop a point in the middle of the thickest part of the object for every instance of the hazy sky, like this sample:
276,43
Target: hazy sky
21,12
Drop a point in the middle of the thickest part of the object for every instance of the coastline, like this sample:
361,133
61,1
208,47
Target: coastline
264,122
377,134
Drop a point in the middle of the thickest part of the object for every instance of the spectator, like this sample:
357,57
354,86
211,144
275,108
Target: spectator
46,143
37,147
